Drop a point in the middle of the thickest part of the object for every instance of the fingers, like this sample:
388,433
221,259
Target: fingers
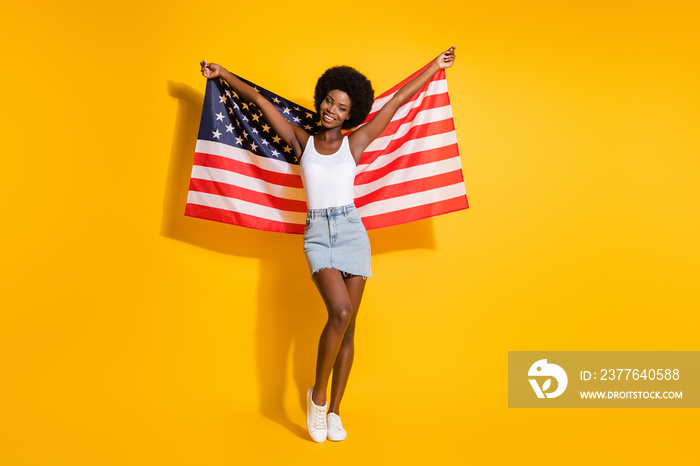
206,71
448,57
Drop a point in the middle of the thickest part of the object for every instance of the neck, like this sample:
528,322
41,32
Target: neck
329,134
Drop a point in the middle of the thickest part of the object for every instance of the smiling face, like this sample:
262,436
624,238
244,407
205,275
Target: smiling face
335,109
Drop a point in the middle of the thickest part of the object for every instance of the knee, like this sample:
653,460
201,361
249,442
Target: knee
339,317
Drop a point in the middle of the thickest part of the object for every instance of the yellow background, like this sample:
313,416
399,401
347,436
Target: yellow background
132,335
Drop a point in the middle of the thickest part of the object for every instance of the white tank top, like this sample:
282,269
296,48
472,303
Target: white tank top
328,179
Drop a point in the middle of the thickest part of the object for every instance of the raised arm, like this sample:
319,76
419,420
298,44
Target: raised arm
291,134
363,137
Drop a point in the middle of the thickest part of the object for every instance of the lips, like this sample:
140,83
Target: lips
327,118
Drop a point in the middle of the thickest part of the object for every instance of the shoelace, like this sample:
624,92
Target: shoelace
334,423
320,419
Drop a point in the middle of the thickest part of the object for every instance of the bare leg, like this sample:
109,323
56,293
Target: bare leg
335,294
343,362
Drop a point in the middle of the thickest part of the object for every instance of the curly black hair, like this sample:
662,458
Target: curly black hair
354,84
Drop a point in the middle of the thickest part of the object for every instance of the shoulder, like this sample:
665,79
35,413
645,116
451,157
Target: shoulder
355,144
306,145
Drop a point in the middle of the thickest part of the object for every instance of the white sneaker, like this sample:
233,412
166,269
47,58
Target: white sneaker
316,419
335,428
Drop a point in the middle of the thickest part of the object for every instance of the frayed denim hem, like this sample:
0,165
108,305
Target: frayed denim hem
345,275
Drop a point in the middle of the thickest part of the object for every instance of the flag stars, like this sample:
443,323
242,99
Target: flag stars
250,130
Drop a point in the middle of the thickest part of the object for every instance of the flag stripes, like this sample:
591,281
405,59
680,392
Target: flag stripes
412,171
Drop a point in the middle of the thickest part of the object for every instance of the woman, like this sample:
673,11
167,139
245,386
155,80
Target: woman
335,241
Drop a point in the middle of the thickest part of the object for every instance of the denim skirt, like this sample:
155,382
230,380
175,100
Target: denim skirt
336,238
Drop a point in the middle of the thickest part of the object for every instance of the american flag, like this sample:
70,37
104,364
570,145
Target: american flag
245,174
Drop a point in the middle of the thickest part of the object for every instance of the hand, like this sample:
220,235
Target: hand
446,59
211,70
